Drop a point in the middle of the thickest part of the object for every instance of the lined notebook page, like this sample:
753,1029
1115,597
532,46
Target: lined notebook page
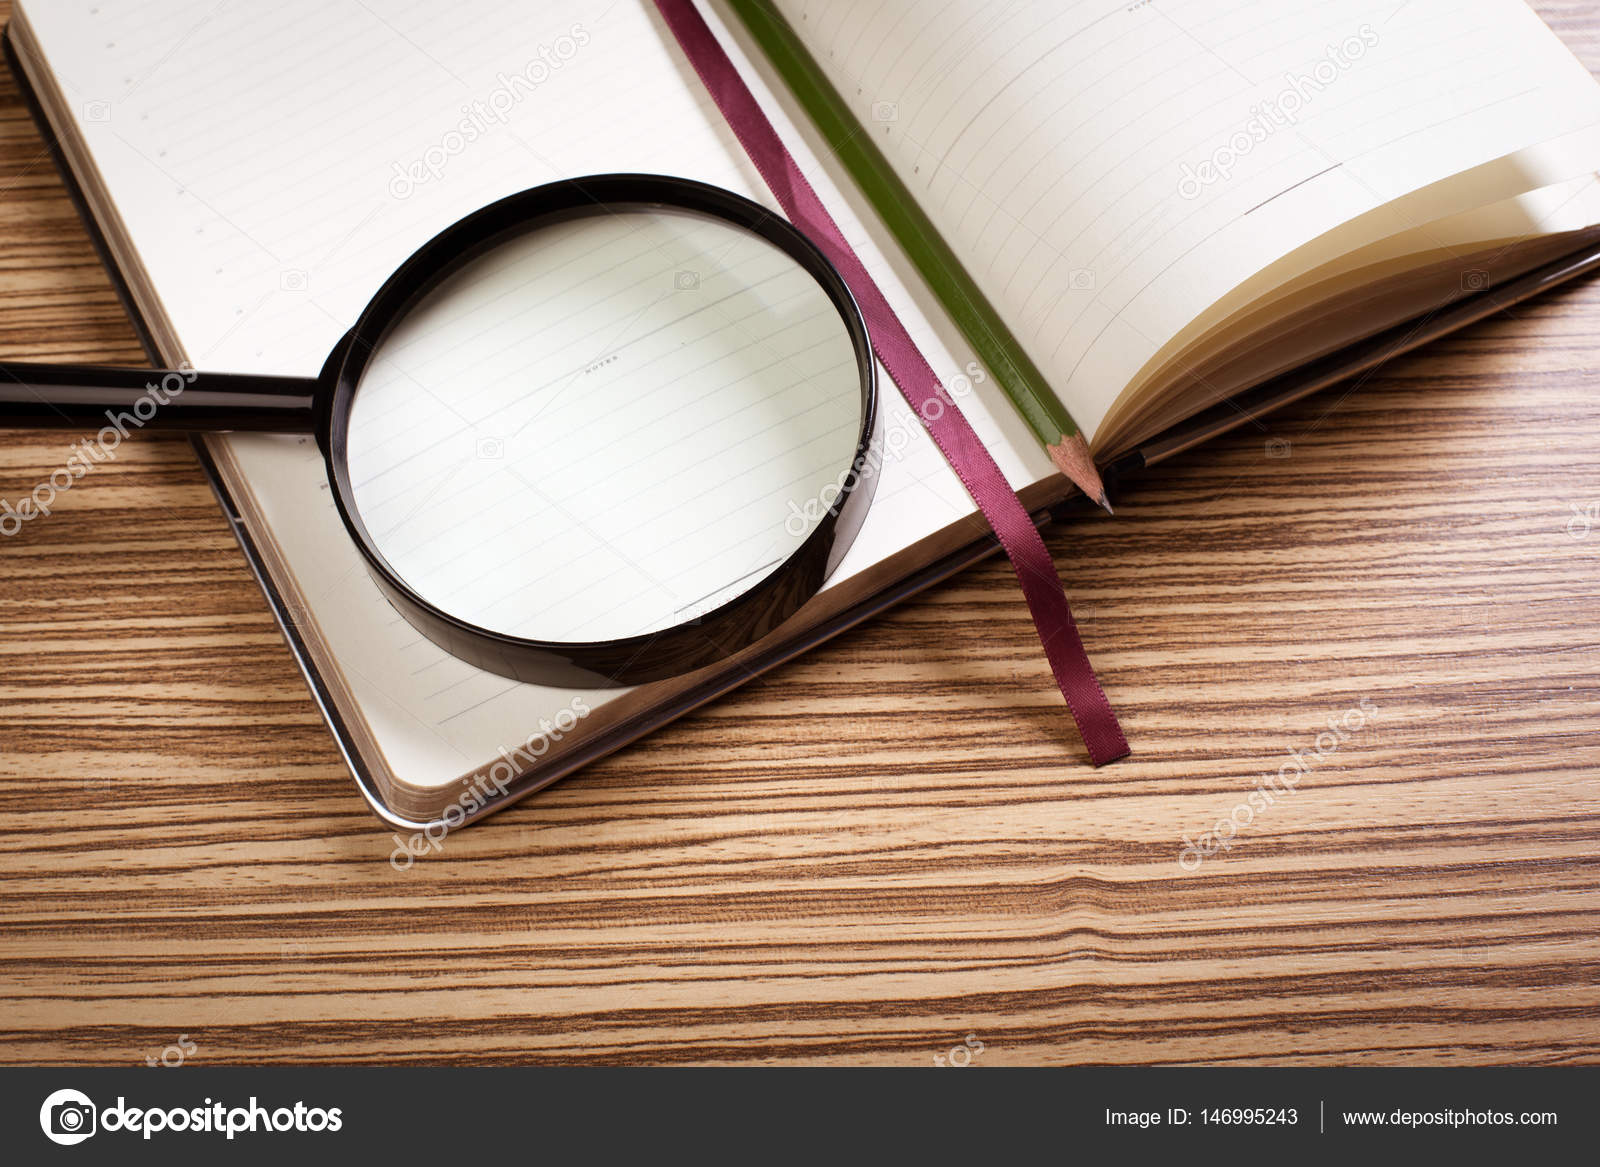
530,447
1060,147
274,163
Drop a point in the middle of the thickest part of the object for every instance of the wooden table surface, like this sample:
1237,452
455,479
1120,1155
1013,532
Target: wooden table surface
893,844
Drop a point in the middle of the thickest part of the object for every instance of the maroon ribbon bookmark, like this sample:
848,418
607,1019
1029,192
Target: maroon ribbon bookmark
968,457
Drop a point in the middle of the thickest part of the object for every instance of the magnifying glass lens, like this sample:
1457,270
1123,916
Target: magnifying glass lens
605,426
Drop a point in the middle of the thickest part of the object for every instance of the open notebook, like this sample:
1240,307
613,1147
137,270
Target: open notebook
1169,206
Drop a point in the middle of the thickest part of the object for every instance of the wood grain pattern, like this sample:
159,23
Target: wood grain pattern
893,843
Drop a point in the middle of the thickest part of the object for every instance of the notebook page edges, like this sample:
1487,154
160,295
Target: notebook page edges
1105,170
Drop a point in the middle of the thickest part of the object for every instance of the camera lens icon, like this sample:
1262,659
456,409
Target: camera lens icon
686,281
491,449
67,1117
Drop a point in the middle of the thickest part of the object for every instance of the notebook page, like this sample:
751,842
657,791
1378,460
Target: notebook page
1106,169
530,446
273,165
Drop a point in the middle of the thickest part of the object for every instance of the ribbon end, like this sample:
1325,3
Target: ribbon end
1104,755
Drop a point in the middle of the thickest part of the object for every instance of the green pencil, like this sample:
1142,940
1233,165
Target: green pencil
1016,375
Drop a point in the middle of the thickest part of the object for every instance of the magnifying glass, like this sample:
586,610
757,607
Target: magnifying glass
601,432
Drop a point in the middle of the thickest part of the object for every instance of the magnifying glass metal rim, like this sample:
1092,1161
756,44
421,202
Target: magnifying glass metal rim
680,648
